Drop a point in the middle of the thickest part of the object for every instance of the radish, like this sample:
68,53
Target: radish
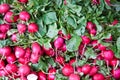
11,68
23,1
98,76
60,59
49,52
85,39
114,62
27,53
11,58
74,77
21,28
96,2
4,28
5,51
24,70
116,73
115,22
24,16
79,69
14,37
81,51
19,51
34,58
67,70
51,75
101,47
58,43
72,61
23,78
23,60
63,48
4,8
10,17
36,48
94,44
93,32
109,39
94,70
89,25
2,36
2,64
41,76
108,54
33,28
86,69
3,73
32,77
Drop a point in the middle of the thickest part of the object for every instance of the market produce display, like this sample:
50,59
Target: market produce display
59,40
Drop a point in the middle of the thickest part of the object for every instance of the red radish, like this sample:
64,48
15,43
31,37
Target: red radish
5,51
4,28
109,39
60,59
98,76
36,48
58,43
4,8
67,70
101,47
108,2
79,69
3,73
23,60
2,35
23,1
89,25
23,78
14,37
41,76
34,58
86,69
51,75
19,51
28,53
108,54
24,15
60,32
85,39
33,28
11,58
24,70
63,48
94,70
94,43
96,2
49,52
81,51
65,2
11,68
115,22
10,17
21,28
2,64
116,73
74,77
72,61
93,32
114,62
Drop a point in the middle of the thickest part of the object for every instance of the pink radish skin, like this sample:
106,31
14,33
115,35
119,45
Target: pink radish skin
23,1
74,77
14,37
11,68
4,8
32,28
72,61
94,70
98,76
36,48
59,59
58,43
21,28
4,28
85,39
10,18
24,70
2,64
11,58
5,51
34,58
108,54
51,75
19,51
24,16
42,76
2,36
86,69
116,73
79,69
67,70
89,25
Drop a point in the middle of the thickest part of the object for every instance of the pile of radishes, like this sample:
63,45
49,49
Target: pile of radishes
16,61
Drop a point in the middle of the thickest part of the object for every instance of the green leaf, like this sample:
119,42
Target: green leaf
79,31
58,2
52,31
73,43
49,17
11,31
89,53
71,21
118,43
81,62
5,42
100,62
